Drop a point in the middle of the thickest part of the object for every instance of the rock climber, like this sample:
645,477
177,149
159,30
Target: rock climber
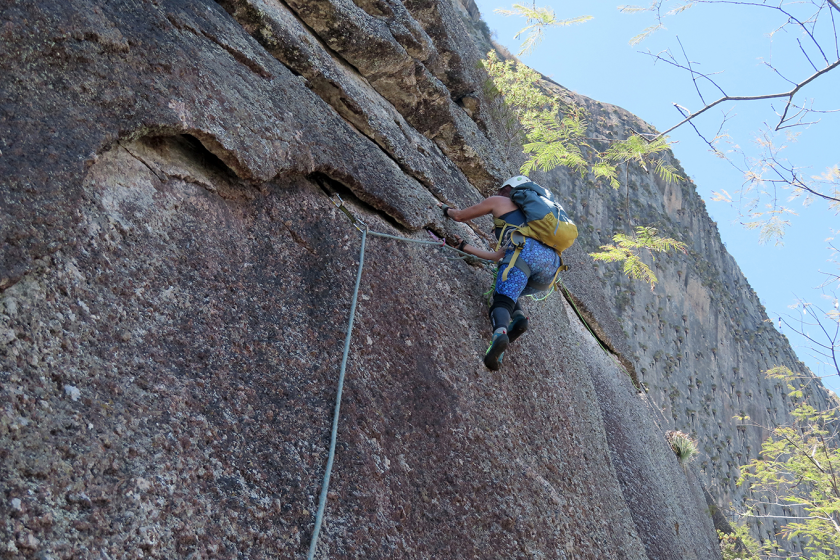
536,274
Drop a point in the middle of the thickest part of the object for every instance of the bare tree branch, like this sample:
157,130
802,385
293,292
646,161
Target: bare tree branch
801,48
711,145
789,95
811,110
673,62
779,74
778,8
690,69
795,181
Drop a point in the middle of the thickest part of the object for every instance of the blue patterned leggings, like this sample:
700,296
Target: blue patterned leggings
542,260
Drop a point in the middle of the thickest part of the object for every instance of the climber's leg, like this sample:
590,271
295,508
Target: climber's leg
518,323
504,302
500,313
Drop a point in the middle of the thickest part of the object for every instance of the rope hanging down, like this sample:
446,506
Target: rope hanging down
322,500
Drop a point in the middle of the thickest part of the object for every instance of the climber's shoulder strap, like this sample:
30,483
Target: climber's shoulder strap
518,242
499,223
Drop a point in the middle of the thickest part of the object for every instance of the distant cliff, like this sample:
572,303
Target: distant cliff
176,285
701,340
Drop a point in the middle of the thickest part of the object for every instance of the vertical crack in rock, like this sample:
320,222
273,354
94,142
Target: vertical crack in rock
597,331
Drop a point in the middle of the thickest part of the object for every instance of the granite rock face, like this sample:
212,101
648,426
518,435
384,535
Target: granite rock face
176,284
701,340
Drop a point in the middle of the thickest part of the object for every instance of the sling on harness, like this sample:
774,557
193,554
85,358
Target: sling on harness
545,221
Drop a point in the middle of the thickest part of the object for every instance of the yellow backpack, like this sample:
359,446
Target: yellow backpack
545,221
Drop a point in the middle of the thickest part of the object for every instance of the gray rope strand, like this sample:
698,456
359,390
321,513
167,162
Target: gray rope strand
322,501
339,203
438,243
421,241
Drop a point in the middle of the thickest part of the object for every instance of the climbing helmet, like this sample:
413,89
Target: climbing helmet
516,181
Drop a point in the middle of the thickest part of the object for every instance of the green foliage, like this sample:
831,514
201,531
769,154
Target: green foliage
646,32
785,374
523,107
518,84
552,144
798,465
636,149
627,250
682,445
537,19
738,545
553,131
742,417
770,224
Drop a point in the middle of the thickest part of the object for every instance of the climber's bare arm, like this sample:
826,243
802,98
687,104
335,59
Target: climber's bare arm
495,205
495,256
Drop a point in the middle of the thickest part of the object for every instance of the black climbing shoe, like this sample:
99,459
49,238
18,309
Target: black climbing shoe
493,356
517,327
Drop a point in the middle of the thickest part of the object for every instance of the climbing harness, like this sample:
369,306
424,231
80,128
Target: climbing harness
365,231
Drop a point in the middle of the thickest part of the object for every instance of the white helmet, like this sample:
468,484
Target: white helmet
516,181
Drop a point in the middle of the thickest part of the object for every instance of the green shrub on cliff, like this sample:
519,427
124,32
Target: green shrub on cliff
799,465
738,545
682,445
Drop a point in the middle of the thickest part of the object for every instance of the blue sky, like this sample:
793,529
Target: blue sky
595,59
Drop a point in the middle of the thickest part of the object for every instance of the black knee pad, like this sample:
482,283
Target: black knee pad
501,311
502,301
